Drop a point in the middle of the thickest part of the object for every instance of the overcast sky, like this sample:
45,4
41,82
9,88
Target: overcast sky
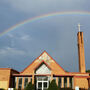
57,35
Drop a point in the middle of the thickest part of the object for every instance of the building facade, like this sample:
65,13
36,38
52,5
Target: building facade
44,69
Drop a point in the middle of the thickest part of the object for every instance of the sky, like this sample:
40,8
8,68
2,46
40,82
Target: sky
57,35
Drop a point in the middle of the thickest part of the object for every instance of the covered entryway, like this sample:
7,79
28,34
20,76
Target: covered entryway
42,73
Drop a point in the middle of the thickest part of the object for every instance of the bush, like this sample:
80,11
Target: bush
29,86
53,86
65,89
88,71
15,89
2,89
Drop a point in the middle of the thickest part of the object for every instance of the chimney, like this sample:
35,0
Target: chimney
81,55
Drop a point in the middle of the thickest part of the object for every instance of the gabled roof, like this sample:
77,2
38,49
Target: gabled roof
41,63
44,62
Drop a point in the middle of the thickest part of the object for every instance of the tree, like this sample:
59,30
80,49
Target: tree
29,86
2,89
88,71
53,85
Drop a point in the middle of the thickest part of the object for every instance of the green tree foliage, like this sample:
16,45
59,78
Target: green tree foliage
88,71
53,86
2,89
30,86
15,89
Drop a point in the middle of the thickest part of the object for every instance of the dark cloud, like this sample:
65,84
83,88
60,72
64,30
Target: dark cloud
57,35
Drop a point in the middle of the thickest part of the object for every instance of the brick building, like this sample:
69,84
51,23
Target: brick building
44,69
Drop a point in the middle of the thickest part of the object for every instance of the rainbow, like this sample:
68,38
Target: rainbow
30,20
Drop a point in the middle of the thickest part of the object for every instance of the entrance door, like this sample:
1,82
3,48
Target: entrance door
42,83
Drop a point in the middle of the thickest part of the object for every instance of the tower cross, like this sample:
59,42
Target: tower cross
79,27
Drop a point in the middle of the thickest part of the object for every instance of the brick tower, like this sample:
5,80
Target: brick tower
81,55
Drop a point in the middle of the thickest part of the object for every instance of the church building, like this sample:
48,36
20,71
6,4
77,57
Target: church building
44,69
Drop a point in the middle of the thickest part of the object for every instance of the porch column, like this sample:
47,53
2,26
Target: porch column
62,82
57,81
73,82
51,77
17,82
68,82
29,79
23,82
33,78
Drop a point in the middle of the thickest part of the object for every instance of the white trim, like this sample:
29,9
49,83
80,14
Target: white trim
42,81
43,69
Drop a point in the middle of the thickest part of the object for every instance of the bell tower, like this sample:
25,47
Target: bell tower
81,55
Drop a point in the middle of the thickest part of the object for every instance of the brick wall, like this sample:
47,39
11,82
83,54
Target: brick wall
4,78
81,82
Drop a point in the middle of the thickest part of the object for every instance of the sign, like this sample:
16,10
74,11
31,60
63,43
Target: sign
10,89
76,88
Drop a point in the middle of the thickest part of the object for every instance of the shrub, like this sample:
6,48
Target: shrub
29,86
65,89
53,86
15,89
2,89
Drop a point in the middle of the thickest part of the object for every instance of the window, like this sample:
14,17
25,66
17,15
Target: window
31,79
65,82
59,81
54,78
70,83
39,85
43,69
45,85
45,78
20,83
25,81
42,83
15,82
42,78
